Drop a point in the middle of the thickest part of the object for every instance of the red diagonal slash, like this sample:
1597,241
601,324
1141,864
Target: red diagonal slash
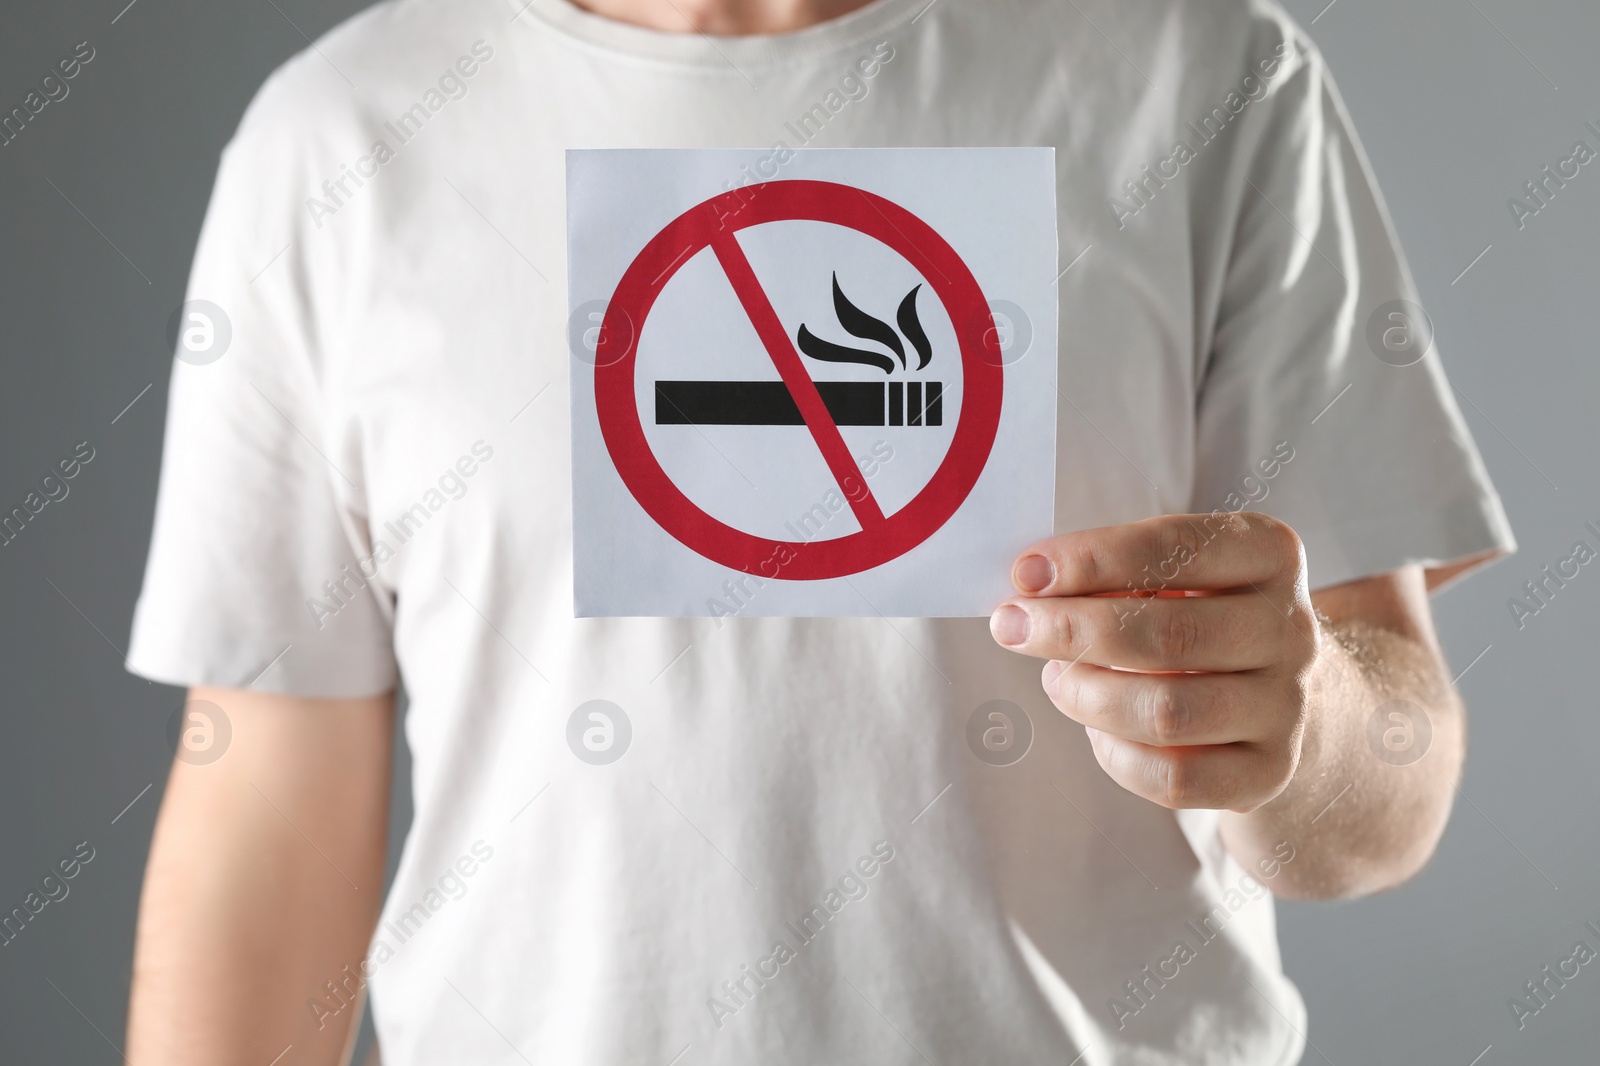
806,397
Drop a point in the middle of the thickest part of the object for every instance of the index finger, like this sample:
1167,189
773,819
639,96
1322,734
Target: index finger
1221,550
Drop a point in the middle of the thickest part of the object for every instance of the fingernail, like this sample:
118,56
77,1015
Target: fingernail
1009,625
1034,572
1052,670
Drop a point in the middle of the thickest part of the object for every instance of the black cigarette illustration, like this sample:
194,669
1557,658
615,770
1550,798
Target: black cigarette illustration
768,403
849,403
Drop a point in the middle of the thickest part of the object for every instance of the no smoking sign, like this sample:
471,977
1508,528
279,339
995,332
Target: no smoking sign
816,384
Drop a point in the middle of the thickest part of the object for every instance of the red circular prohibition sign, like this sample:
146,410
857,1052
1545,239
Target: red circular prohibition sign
711,224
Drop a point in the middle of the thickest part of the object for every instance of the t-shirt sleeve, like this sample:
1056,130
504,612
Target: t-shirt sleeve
1314,405
254,575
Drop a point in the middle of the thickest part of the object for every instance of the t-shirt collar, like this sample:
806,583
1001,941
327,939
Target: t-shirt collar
623,41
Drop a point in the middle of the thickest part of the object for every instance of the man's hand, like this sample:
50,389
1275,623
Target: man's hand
1191,700
1207,675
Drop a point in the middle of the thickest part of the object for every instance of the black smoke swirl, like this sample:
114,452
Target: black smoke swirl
828,352
859,323
911,326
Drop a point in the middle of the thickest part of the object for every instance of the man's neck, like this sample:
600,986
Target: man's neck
722,18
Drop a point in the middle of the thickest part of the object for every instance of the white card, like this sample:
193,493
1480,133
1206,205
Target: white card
810,383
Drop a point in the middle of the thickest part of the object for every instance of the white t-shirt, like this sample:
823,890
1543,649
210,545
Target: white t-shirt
816,841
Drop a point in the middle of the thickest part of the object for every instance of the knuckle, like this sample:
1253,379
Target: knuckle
1175,635
1183,784
1297,698
1283,773
1175,543
1296,636
1187,540
1283,543
1176,786
1304,647
1091,705
1061,628
1164,712
1272,774
1078,561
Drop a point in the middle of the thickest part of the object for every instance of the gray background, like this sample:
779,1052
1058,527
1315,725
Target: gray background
1459,102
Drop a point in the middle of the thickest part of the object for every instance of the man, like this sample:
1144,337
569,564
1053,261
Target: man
866,840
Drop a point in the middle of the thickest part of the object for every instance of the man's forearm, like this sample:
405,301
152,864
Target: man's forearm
264,882
1363,813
